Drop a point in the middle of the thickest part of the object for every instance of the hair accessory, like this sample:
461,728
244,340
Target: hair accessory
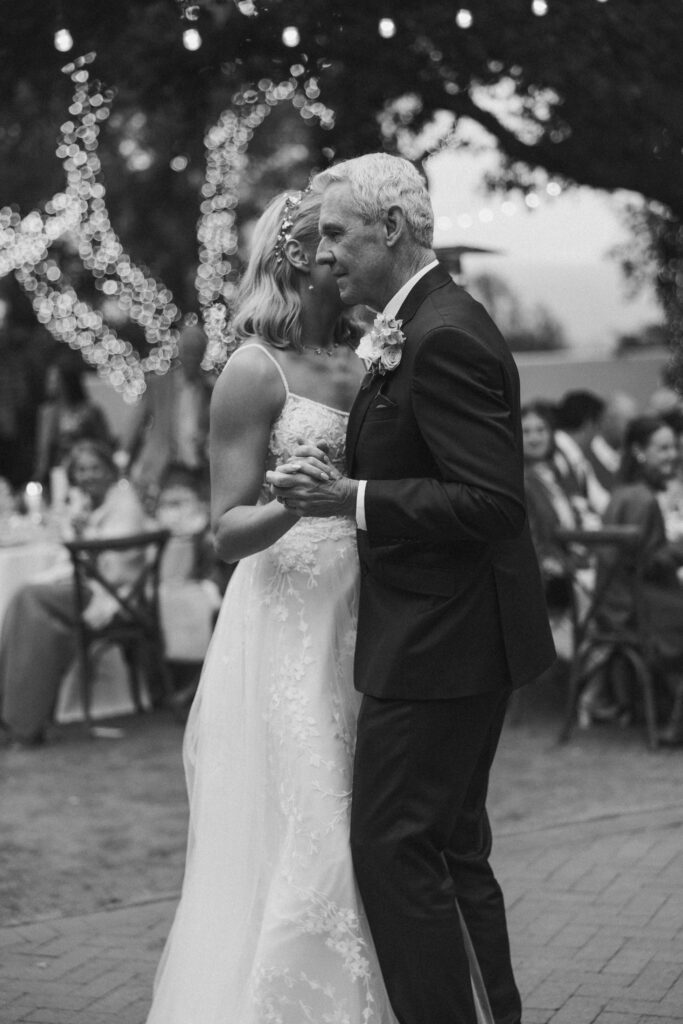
284,235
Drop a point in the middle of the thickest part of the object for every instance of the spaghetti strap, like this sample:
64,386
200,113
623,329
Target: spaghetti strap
255,344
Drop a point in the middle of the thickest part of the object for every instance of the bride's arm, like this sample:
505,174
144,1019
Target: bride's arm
247,399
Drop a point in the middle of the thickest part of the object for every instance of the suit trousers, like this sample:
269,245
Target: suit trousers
421,840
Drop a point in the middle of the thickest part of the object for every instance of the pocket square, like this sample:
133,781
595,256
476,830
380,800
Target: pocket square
384,402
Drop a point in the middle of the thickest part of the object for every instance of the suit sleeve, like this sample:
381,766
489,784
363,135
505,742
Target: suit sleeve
462,398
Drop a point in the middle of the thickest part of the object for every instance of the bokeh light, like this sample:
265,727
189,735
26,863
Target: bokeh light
191,39
290,36
63,40
387,28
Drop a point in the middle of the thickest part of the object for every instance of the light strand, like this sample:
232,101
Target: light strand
227,144
79,217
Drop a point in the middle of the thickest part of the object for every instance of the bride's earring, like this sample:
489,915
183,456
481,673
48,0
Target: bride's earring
311,287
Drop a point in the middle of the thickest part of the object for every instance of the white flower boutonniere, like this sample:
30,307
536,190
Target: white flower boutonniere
382,347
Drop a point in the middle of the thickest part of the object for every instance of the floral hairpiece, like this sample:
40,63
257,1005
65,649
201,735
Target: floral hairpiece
284,234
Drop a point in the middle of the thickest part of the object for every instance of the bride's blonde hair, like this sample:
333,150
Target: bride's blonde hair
267,304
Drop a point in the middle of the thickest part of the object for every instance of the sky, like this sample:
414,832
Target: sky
555,254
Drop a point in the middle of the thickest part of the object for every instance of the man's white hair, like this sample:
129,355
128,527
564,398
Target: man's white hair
378,181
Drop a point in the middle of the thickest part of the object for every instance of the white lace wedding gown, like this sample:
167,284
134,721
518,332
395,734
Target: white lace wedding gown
269,928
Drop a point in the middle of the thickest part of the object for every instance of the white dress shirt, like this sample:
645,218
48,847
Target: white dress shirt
391,311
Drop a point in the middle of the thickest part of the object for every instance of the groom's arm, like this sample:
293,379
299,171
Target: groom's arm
462,402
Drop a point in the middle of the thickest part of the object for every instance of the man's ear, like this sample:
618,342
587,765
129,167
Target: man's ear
394,225
297,255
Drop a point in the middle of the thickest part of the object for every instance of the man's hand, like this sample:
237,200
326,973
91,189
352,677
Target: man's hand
309,485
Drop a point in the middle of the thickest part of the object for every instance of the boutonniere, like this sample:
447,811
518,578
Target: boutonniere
382,347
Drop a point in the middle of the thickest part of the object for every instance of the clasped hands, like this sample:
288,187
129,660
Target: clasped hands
309,485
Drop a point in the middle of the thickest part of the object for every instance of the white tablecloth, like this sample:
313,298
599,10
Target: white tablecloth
21,563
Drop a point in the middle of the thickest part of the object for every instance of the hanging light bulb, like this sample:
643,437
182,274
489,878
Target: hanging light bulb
539,7
63,40
290,36
191,39
463,18
387,28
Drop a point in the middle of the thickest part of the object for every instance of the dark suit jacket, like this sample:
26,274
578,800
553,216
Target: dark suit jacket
451,598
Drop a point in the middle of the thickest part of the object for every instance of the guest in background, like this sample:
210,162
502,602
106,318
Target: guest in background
579,414
21,392
38,637
604,451
193,580
548,504
183,508
671,498
649,462
68,415
172,421
665,398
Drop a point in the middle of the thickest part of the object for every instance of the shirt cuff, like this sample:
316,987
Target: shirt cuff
360,506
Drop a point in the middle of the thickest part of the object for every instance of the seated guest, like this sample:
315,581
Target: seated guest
548,505
648,462
38,638
671,498
193,580
604,452
67,416
578,418
183,508
171,422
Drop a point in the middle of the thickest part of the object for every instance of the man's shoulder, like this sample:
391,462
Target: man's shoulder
450,309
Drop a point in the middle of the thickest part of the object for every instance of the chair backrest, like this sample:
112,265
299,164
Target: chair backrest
615,605
134,592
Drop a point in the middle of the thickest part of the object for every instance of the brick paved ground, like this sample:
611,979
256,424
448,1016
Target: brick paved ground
595,908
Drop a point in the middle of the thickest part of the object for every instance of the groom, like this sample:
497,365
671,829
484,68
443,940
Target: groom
452,614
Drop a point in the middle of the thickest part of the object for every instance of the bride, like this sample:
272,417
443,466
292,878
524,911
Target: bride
269,928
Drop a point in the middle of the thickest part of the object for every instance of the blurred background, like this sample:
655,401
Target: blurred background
549,132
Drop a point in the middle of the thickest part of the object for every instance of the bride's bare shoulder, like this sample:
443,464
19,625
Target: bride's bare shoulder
251,379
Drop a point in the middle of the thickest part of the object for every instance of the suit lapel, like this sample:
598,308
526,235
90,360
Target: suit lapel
358,412
436,278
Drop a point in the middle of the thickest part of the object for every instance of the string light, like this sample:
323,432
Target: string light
539,7
190,9
290,36
463,18
191,39
63,40
226,146
387,28
78,216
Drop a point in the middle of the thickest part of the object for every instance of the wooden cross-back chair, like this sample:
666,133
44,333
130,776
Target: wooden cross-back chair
134,625
595,644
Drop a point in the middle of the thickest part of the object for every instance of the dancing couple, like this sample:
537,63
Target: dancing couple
337,865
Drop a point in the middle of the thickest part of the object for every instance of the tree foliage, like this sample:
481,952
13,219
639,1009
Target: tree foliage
591,92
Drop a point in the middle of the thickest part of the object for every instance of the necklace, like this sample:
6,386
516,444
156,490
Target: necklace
318,350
